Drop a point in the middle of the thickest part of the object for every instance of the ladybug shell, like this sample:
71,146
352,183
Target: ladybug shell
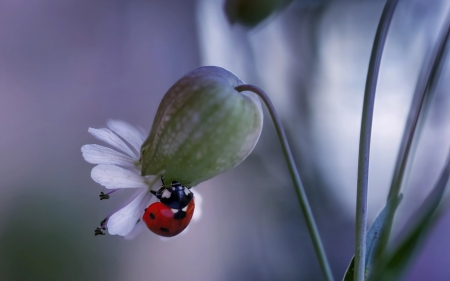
167,222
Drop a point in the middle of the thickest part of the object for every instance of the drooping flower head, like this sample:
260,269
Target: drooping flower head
202,128
119,168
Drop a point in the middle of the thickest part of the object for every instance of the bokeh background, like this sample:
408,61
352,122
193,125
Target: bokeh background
69,65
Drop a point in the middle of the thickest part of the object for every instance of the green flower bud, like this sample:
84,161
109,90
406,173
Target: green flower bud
252,12
202,128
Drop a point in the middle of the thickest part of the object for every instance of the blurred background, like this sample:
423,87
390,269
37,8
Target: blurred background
69,65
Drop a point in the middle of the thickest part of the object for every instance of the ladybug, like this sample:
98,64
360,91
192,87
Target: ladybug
173,213
168,222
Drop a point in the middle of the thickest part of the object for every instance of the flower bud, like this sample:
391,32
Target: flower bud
252,12
202,128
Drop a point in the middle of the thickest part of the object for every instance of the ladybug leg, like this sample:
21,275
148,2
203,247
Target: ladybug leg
160,190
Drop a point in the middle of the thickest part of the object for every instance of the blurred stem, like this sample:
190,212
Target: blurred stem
425,86
428,78
364,141
301,195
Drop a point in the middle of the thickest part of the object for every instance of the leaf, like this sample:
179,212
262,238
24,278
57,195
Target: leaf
422,223
372,237
350,272
373,241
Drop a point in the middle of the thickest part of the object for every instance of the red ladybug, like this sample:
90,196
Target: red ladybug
168,222
173,213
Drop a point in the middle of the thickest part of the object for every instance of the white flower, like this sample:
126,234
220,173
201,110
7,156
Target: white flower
120,168
203,127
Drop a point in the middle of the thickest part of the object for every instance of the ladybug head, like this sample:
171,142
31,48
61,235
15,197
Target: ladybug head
177,196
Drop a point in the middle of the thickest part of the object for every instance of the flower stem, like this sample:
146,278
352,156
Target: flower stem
426,83
364,141
301,195
425,87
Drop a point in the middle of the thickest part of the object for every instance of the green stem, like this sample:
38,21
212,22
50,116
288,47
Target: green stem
301,195
426,83
364,141
428,78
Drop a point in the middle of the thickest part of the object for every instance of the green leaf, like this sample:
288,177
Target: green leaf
372,237
350,272
422,222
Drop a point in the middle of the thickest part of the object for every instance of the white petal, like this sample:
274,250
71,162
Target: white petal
111,138
111,176
131,134
198,206
138,228
123,221
97,154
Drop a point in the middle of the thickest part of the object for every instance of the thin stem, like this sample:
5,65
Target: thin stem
364,141
426,83
111,192
301,195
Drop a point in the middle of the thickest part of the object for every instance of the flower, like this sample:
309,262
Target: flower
117,169
121,169
202,128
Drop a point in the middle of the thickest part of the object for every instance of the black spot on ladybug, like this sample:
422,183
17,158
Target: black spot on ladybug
163,229
179,215
152,216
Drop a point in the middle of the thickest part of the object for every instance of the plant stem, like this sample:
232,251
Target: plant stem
301,195
426,83
364,141
428,78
